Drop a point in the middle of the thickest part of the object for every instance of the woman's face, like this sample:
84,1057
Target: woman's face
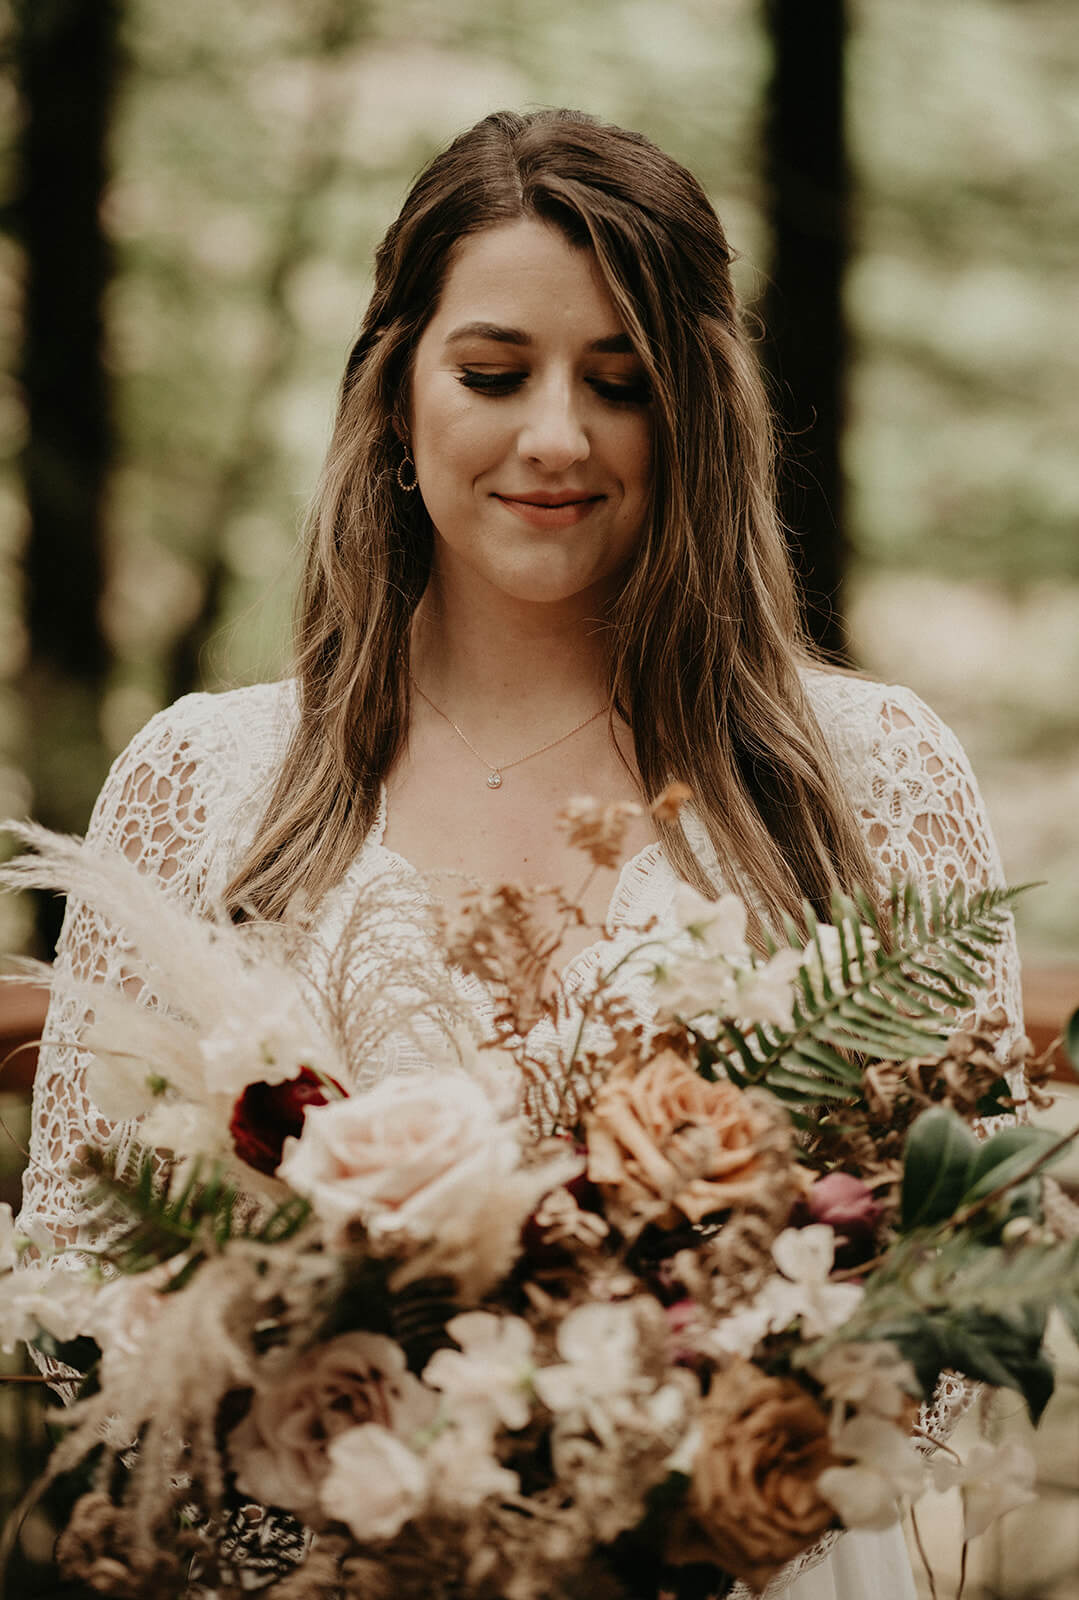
530,421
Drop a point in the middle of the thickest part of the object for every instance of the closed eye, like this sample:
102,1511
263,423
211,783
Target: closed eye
491,382
635,392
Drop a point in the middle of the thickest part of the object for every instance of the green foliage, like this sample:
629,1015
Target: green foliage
889,1003
1071,1039
945,1168
939,1155
195,1210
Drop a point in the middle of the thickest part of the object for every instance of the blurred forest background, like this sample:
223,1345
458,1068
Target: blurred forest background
253,155
191,197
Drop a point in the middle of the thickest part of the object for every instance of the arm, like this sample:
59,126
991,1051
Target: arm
924,818
154,808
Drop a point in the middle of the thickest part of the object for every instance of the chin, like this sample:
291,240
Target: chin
544,588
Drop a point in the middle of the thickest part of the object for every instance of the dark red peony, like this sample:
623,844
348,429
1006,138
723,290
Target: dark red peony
267,1114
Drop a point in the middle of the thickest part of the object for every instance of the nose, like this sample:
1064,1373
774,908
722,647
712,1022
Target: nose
552,434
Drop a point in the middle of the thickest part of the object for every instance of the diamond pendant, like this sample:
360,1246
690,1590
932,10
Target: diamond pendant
494,780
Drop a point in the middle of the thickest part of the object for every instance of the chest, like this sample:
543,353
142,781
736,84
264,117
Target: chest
460,834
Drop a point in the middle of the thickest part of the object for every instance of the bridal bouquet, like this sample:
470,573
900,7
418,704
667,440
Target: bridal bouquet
597,1306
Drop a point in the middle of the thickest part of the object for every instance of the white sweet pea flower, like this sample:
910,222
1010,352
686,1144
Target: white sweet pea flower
43,1298
490,1374
804,1256
994,1479
767,993
695,989
599,1344
283,1040
886,1467
8,1252
872,1377
739,1333
375,1483
463,1469
718,927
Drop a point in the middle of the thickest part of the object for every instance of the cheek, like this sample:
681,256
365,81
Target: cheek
450,433
636,453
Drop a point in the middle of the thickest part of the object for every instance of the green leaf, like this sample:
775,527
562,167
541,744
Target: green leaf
1068,1306
1071,1039
1005,1158
939,1154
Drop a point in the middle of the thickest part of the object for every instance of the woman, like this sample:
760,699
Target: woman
543,560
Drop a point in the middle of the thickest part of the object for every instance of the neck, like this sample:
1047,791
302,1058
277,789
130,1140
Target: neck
484,654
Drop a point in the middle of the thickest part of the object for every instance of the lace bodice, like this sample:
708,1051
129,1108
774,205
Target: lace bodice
185,796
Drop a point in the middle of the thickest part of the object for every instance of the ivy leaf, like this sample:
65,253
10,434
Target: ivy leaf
937,1163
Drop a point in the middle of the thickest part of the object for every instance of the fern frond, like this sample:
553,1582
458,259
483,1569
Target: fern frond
196,1209
890,1002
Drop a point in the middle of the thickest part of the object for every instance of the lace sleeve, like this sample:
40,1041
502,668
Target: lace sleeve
925,819
153,807
912,788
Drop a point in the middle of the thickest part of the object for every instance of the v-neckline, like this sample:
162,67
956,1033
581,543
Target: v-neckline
635,872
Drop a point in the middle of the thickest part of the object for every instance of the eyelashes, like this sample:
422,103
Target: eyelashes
635,393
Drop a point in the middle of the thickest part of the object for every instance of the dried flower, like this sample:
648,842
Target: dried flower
667,805
663,1141
267,1114
101,1547
598,830
753,1496
279,1450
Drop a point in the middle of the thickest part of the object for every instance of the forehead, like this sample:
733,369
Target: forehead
525,274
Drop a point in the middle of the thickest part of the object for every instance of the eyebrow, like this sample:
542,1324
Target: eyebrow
616,344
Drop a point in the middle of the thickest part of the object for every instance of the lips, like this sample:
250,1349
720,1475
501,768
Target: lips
550,510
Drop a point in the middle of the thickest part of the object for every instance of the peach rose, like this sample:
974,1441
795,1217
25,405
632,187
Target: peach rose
753,1498
663,1140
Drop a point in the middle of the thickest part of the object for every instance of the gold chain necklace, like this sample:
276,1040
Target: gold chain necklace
494,772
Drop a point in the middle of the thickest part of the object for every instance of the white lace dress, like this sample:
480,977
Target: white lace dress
184,797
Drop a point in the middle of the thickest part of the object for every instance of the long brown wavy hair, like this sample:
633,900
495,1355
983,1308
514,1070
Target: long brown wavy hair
706,641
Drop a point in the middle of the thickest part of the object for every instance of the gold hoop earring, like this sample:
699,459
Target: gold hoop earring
407,465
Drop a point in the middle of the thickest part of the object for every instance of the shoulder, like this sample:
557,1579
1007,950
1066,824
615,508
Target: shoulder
907,777
879,726
188,784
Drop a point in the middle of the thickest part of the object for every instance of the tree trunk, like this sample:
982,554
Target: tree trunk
66,58
803,311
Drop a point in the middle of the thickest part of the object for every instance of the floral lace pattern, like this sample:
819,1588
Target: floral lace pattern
186,794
